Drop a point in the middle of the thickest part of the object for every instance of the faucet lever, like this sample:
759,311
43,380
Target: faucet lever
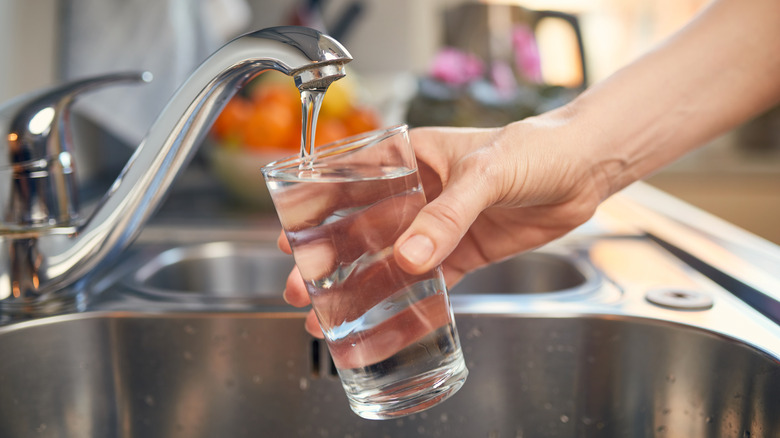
37,164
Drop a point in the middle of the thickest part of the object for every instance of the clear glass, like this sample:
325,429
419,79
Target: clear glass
392,335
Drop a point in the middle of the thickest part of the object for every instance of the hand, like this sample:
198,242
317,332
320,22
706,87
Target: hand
493,193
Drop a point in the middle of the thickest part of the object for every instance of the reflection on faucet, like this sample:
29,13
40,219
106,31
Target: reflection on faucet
44,246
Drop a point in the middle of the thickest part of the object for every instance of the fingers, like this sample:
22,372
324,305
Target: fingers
440,225
295,294
283,243
295,291
313,326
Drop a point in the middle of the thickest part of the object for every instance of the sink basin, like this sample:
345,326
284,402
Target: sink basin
530,273
244,270
229,270
128,374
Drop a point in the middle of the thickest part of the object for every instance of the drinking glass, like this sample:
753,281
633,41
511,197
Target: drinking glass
391,334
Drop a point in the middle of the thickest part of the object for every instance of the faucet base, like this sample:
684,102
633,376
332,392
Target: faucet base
58,303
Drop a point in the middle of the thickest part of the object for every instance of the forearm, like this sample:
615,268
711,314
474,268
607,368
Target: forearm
720,70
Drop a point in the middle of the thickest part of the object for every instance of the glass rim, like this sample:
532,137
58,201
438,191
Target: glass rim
339,147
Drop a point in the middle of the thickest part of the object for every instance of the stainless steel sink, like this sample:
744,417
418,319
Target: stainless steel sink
536,272
215,269
108,374
190,338
231,269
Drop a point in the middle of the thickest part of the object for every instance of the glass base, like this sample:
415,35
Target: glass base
411,395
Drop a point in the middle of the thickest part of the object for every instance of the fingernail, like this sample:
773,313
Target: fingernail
284,296
417,250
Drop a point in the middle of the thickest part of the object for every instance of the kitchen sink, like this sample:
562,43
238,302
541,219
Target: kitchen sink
214,269
595,336
536,272
243,270
208,374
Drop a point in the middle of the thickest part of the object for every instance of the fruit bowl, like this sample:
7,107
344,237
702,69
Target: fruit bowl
262,123
238,171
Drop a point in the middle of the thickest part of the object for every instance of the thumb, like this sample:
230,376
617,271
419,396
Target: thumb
440,225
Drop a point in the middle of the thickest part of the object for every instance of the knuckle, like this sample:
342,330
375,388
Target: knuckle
447,215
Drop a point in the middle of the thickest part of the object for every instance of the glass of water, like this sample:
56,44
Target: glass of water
391,334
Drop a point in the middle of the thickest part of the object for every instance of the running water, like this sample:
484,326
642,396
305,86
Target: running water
311,101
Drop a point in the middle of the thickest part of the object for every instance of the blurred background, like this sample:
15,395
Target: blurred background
424,62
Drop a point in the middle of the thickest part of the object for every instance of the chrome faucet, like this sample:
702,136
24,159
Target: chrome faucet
45,246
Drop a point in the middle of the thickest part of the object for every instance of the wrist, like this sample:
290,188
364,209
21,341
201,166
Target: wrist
590,150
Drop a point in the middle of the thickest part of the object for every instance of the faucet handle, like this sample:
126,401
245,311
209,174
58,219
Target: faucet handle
37,173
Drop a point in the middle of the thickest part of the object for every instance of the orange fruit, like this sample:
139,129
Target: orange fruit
361,119
230,122
329,130
271,126
281,94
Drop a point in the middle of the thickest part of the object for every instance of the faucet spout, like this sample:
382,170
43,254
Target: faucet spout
35,266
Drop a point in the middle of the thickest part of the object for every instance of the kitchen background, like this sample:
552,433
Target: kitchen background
42,42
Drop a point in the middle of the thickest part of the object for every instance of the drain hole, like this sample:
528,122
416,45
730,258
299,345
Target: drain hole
680,299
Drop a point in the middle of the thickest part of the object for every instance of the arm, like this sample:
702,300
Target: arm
496,192
536,179
715,73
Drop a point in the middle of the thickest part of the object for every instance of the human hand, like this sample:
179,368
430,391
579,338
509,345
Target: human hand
493,193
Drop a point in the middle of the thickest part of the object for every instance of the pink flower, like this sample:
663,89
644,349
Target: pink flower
527,58
503,79
455,67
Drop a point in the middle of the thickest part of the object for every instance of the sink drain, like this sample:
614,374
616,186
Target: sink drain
680,299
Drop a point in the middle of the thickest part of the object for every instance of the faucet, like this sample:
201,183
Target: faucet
46,248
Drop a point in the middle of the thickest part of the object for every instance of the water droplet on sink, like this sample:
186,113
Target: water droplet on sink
303,384
587,421
443,417
564,419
